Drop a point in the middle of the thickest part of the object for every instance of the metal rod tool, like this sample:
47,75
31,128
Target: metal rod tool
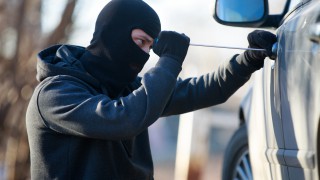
226,47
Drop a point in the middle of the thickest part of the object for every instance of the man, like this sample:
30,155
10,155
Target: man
88,117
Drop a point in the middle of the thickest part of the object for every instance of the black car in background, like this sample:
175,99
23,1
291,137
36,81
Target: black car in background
278,137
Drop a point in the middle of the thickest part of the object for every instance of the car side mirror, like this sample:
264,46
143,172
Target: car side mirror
247,13
241,12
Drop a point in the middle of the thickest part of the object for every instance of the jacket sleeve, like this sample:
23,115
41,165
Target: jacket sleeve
67,106
209,89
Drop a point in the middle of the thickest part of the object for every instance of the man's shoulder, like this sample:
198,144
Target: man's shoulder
63,82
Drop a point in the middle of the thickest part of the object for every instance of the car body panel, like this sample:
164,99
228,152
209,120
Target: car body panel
282,109
256,129
283,118
264,132
298,79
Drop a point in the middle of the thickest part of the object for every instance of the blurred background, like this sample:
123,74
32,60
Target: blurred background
27,26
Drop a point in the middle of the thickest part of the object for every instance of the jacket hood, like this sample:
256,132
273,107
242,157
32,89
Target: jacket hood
112,41
63,60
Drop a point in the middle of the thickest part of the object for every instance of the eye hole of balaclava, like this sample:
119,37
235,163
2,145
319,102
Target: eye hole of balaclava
112,37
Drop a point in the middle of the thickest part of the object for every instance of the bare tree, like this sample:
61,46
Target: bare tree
20,39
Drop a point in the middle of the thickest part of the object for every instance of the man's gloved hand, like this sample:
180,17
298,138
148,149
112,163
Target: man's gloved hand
262,40
171,44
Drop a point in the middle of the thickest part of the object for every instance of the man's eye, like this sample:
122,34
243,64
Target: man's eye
140,42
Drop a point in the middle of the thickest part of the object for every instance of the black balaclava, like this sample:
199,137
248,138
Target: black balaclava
112,50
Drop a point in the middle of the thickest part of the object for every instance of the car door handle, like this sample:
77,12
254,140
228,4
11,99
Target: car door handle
314,34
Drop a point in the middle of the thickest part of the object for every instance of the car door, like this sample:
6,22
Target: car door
273,123
297,75
266,143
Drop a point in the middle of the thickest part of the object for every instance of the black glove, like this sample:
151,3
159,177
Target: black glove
262,40
171,44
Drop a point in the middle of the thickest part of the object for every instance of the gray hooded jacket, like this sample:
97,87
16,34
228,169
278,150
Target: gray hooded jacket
76,131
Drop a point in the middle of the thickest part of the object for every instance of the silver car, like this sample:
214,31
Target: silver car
278,137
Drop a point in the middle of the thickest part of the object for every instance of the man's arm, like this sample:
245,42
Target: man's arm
215,88
67,105
209,89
